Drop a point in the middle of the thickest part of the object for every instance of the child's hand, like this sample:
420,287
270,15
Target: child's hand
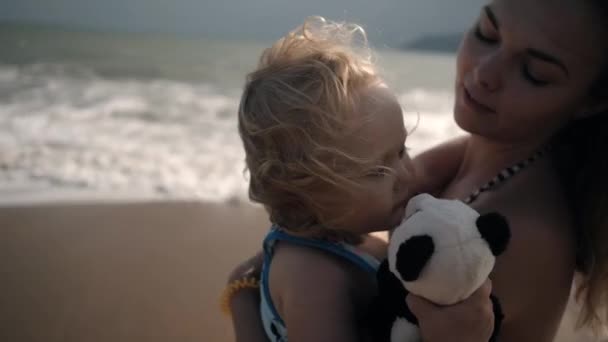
471,320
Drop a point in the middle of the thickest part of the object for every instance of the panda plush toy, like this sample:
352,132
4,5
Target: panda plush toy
442,251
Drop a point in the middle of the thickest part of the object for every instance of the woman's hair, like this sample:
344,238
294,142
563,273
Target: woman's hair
584,170
584,166
295,106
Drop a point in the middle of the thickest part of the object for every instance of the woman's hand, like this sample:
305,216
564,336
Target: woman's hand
471,320
250,268
245,304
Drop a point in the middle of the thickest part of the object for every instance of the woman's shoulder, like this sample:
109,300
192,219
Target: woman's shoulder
535,196
534,275
542,231
540,220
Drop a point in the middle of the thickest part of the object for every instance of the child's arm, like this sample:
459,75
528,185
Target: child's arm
315,295
437,166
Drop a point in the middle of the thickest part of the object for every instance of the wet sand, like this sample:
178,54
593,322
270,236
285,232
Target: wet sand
143,271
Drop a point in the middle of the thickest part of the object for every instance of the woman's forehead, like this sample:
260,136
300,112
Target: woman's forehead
571,29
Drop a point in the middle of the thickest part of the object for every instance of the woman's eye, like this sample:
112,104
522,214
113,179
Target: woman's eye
482,37
531,78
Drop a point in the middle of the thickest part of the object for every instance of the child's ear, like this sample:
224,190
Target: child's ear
413,255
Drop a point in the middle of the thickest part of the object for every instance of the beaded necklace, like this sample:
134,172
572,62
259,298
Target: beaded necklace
506,174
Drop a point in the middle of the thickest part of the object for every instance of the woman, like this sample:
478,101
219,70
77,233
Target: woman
531,85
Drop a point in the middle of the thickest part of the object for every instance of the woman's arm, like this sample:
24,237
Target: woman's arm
245,304
246,318
437,166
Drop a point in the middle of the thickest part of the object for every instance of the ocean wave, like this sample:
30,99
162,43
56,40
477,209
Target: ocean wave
67,126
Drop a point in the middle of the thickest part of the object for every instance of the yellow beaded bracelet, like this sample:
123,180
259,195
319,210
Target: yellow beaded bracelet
234,287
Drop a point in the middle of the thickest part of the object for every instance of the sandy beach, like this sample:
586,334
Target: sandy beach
125,271
120,272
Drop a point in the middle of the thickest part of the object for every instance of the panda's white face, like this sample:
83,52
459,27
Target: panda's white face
439,242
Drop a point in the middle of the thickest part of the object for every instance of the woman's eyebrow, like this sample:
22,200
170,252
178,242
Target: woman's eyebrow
545,57
491,16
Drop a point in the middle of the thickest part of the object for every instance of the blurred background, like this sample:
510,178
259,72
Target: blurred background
140,96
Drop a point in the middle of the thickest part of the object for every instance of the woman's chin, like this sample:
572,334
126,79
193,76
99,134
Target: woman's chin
467,121
462,118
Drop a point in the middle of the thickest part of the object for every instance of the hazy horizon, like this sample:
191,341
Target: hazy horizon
388,22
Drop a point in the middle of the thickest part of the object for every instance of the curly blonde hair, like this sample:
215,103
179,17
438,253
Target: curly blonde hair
295,106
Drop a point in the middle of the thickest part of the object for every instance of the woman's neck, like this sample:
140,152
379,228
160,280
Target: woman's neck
484,158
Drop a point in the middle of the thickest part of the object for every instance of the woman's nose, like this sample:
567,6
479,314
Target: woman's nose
487,73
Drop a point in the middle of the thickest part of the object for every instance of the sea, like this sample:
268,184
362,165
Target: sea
156,114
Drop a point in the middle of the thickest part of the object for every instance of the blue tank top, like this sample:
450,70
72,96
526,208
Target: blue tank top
273,324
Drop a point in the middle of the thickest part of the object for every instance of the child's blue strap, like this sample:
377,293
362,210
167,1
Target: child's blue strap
364,261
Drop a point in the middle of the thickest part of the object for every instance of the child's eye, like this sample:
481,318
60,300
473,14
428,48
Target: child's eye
378,172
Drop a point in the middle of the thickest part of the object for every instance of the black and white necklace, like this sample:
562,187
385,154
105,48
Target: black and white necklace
505,174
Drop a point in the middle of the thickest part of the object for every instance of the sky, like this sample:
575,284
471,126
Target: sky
389,22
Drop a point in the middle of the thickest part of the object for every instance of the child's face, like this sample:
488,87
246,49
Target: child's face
380,136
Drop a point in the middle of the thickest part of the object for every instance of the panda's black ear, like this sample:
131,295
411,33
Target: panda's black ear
413,255
494,228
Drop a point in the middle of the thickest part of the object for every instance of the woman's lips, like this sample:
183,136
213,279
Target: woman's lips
475,105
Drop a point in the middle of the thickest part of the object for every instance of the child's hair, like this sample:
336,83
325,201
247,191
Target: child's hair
295,106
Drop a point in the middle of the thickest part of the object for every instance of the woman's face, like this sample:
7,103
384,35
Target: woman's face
526,68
